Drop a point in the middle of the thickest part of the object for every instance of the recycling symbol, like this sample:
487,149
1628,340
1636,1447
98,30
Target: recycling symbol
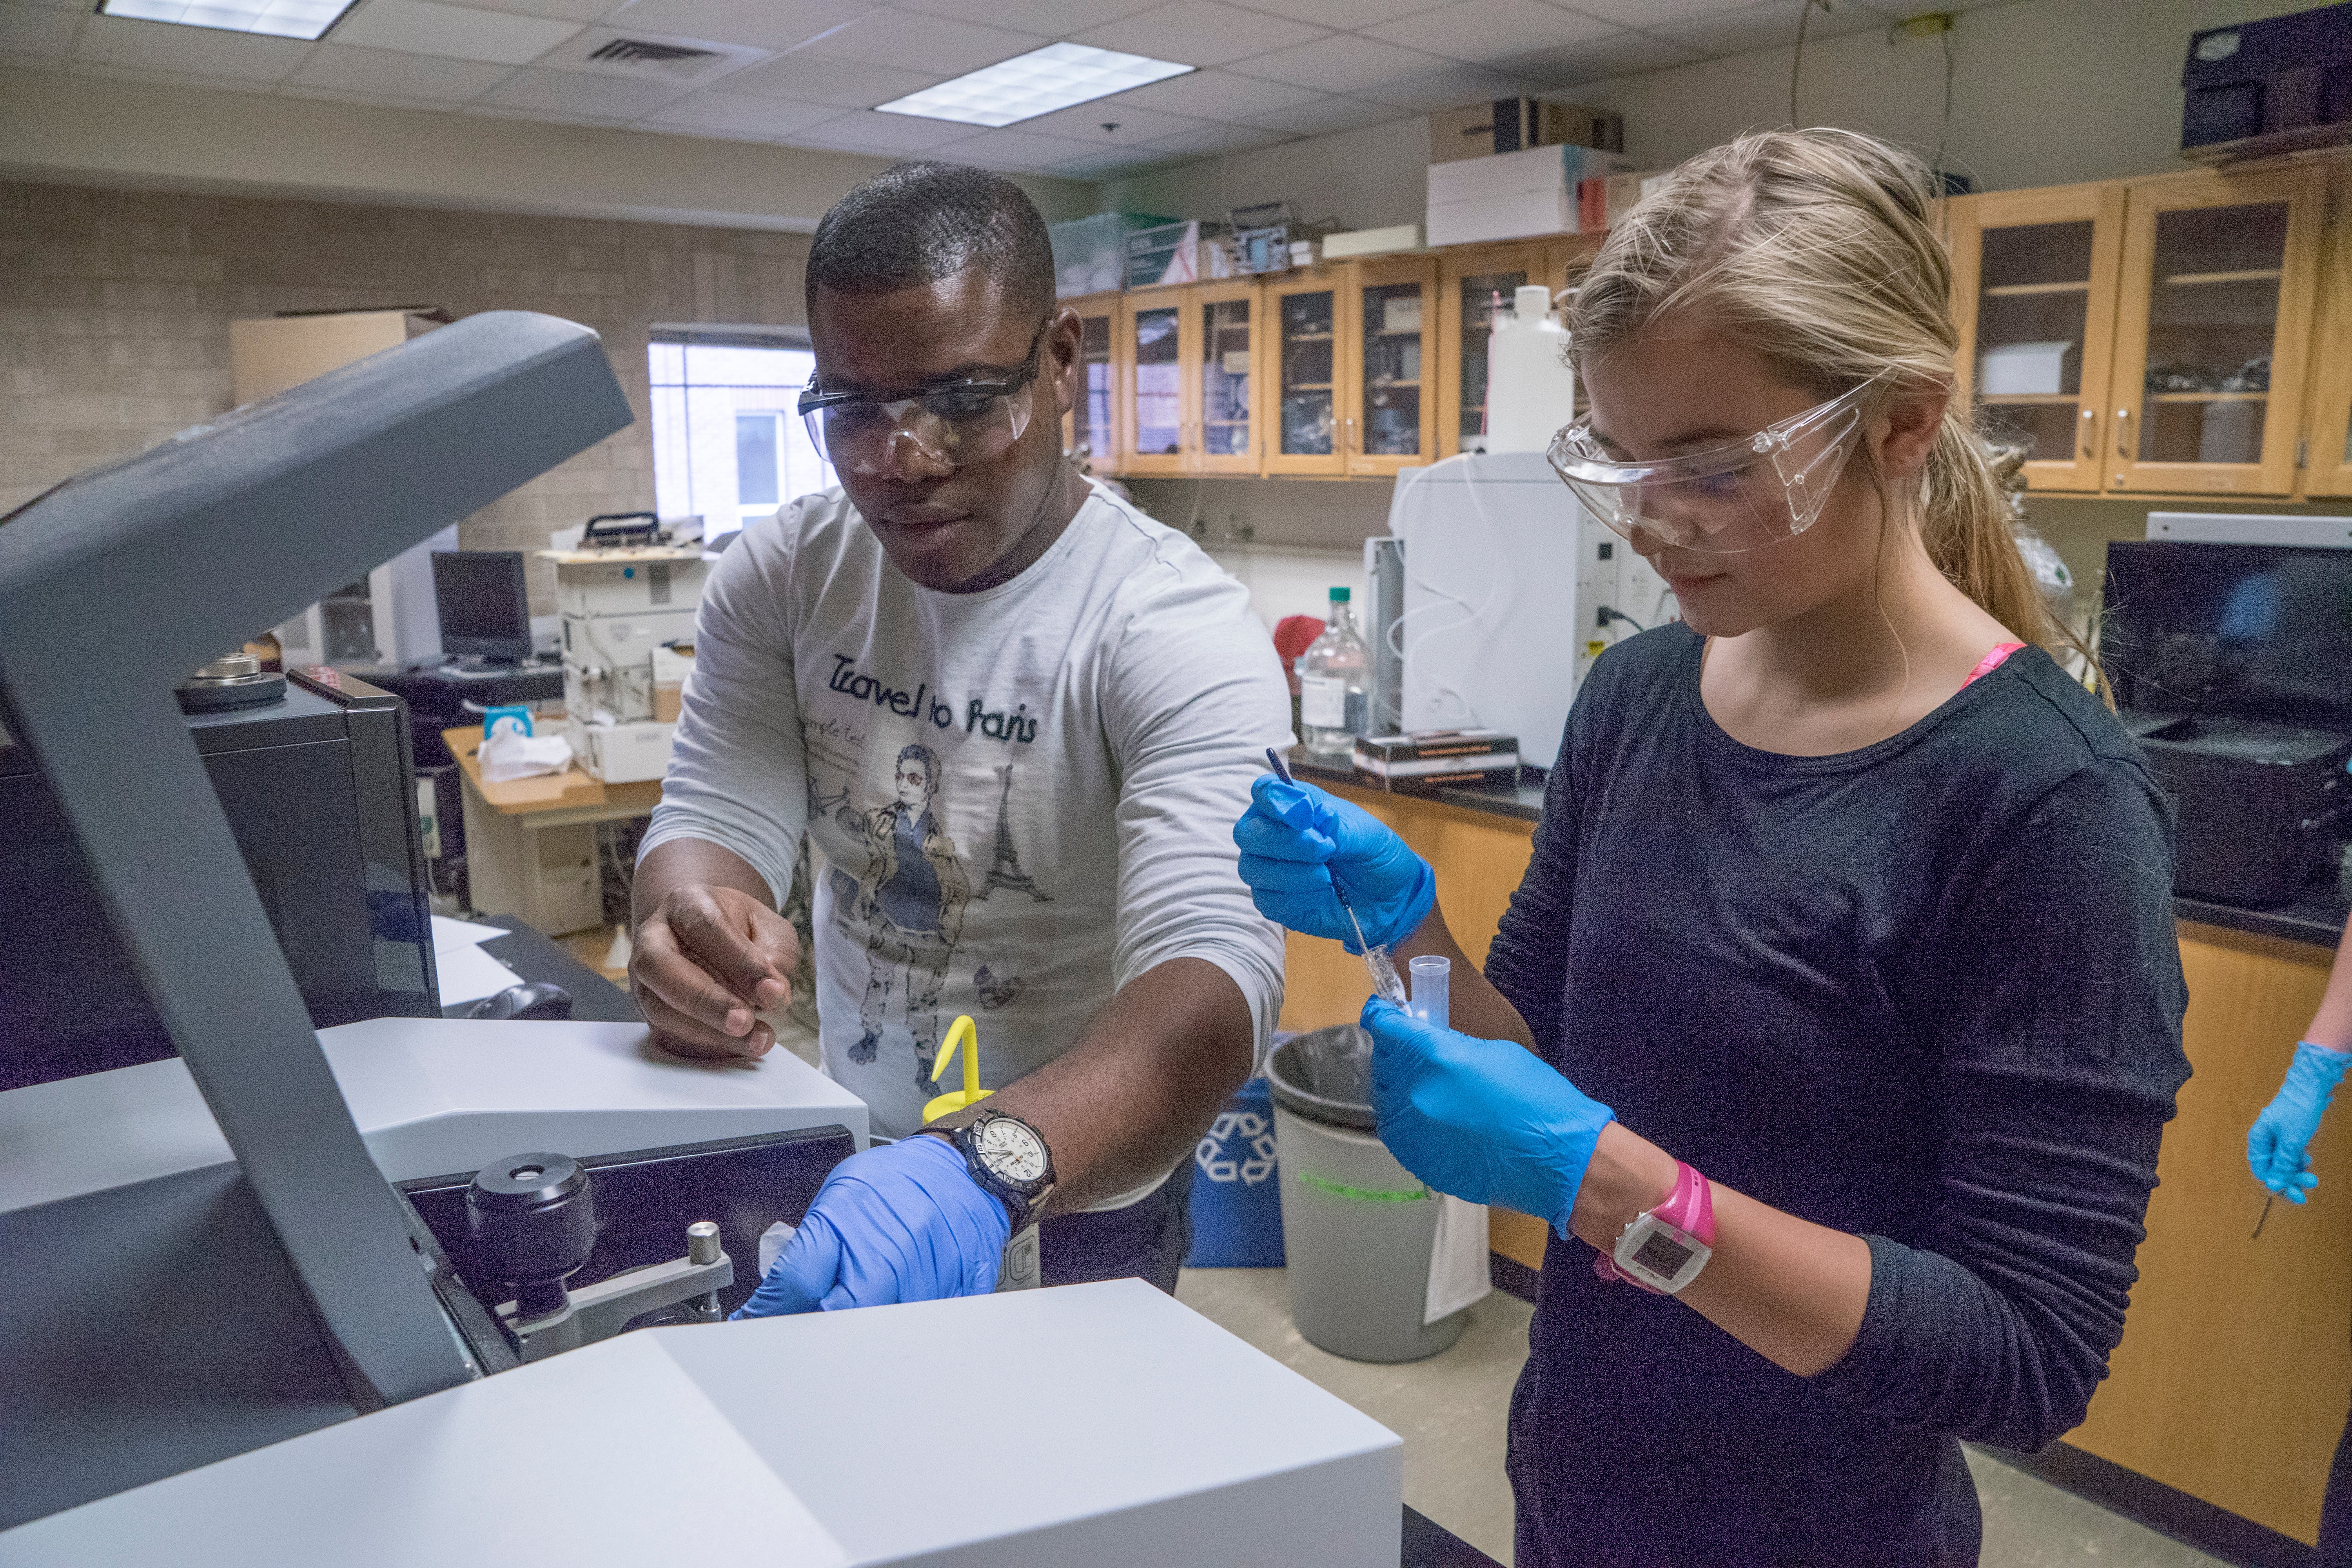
1250,1129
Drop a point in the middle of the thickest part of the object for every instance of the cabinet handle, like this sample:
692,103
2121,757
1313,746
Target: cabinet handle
2090,433
2122,445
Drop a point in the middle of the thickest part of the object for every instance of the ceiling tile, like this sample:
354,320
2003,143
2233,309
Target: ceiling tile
426,27
1769,24
1357,14
30,30
1450,87
1215,95
176,78
739,114
1490,30
1209,139
1084,122
1325,115
198,52
1119,161
31,62
762,23
78,7
909,42
1021,150
1048,18
1624,54
1341,62
1656,13
1197,33
578,94
388,73
846,84
374,100
561,10
883,134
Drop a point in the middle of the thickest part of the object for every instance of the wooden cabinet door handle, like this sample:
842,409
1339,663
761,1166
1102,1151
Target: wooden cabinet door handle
2122,445
2090,433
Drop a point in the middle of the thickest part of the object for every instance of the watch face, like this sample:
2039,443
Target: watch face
1012,1152
1660,1255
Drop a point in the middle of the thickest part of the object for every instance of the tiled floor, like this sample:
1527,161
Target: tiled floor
1449,1410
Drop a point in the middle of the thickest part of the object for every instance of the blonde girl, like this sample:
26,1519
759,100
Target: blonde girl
1835,1023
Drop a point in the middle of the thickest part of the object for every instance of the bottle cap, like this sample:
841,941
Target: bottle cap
1338,596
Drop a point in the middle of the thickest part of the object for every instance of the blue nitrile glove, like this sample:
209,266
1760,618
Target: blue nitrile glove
899,1222
1484,1120
2275,1144
1295,839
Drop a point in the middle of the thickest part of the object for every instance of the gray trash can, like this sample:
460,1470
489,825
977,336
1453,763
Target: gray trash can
1358,1228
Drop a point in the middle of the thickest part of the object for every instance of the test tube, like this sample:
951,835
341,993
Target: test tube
1433,979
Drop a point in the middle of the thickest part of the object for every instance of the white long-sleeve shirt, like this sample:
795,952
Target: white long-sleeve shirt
1020,799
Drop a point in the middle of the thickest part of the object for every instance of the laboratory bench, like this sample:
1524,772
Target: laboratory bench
2224,1402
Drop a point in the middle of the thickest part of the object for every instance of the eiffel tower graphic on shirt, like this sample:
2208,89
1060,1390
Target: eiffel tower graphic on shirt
1005,870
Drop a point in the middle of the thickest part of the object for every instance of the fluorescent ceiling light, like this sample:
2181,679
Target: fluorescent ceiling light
1038,82
305,19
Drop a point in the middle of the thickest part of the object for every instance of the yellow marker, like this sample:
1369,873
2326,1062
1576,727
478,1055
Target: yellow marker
971,1093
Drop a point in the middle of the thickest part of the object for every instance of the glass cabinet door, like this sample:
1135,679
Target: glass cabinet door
2327,471
1090,432
1469,285
1153,427
1390,422
1225,366
1305,418
2220,274
2035,281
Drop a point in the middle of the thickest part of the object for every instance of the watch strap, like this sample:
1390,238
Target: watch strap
1689,1208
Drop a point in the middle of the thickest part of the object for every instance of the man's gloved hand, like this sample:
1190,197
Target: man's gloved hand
2275,1144
1295,839
901,1222
1484,1120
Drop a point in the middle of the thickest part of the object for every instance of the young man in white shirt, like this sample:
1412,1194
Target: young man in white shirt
1016,717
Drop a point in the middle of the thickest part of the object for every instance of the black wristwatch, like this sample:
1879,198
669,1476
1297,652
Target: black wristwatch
1009,1159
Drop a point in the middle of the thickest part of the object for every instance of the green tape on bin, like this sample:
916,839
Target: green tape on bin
1368,1195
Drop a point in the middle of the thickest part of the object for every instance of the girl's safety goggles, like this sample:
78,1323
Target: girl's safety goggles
1725,500
950,425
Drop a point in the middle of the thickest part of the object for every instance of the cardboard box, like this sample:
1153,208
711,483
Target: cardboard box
268,354
623,753
1372,241
1515,124
2023,370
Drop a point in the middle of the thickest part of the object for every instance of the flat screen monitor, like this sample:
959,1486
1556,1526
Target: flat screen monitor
485,606
2259,631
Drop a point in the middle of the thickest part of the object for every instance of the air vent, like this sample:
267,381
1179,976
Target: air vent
682,62
644,54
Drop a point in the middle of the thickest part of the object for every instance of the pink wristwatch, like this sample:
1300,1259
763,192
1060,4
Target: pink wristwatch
1664,1249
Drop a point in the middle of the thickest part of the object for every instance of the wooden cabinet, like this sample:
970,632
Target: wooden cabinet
2215,318
1471,280
2327,455
1152,338
1307,371
2149,337
2034,278
1387,414
1090,429
1225,389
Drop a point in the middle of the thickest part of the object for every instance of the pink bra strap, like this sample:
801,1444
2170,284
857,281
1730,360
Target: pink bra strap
1990,662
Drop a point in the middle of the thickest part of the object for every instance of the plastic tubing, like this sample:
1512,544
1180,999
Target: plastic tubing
1432,980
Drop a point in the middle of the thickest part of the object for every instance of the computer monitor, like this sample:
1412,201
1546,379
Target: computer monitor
485,606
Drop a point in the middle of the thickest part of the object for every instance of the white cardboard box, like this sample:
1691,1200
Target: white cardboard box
2023,370
1511,216
623,753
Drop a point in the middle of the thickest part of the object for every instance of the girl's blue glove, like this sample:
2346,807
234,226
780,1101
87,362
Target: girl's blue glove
1295,839
1484,1121
899,1222
2276,1142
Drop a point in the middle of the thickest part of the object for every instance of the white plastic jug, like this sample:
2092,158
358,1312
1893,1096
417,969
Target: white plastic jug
1530,391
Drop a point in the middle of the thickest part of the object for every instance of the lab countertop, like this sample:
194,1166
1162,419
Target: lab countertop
2316,915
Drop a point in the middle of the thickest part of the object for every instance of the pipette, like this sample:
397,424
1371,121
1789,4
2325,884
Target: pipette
1376,958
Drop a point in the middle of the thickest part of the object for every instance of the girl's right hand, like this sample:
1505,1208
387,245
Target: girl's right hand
1295,839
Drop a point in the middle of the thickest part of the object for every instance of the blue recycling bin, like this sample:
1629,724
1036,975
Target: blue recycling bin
1237,1200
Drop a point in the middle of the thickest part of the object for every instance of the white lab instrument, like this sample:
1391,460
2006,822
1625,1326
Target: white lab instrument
1530,388
1506,580
624,609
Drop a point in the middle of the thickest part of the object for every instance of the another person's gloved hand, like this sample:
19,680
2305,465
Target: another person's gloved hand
2275,1144
1484,1121
1295,839
901,1222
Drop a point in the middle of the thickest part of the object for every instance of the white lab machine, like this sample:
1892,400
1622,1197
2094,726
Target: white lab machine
1505,582
625,611
385,617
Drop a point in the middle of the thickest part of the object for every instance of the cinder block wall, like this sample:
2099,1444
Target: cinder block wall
115,306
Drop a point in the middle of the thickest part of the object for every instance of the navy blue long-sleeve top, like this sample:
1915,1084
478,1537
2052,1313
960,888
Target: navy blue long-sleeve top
1928,992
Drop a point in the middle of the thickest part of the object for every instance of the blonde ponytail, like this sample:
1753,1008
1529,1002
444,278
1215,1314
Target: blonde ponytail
1815,248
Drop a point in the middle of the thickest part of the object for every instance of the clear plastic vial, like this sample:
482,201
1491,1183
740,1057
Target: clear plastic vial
1432,985
1335,679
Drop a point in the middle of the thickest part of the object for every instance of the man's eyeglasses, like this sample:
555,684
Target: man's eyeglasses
953,424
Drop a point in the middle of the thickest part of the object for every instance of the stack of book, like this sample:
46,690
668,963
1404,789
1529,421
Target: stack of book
1429,760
